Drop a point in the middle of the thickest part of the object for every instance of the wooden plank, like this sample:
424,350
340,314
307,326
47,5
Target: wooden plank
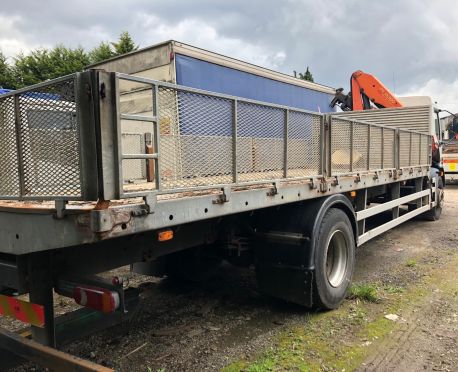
46,356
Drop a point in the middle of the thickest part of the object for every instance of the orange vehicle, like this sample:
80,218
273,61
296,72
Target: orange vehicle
367,92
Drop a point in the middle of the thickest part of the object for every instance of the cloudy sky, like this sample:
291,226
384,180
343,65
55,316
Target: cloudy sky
411,45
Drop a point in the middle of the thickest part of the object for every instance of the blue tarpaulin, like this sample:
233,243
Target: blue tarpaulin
200,74
253,120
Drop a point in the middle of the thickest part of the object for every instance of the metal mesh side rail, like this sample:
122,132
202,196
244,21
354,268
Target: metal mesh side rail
9,181
46,131
357,147
205,138
304,139
195,139
260,139
340,149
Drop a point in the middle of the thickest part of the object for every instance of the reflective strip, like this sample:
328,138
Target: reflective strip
22,310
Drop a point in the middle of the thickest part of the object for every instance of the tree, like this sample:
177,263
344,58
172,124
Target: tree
44,64
101,52
124,45
6,73
307,75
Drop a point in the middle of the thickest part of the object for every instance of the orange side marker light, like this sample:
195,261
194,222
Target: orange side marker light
165,235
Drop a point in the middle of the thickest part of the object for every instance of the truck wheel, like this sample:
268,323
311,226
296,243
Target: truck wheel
435,213
334,259
192,265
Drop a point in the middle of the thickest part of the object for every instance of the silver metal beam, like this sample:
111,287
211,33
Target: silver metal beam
389,225
389,205
151,119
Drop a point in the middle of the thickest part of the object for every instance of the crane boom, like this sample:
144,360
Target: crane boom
365,89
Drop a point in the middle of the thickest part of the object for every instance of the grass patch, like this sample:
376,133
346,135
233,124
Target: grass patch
364,292
342,339
411,263
393,289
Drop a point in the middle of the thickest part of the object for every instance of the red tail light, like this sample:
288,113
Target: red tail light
100,299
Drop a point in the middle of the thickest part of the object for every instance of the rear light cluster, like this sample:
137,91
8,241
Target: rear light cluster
96,298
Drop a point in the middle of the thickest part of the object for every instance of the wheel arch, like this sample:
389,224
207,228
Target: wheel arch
338,201
286,246
303,218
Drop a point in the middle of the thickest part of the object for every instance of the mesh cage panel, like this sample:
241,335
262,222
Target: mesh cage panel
48,143
260,142
375,156
9,181
360,145
404,149
195,139
340,146
133,169
303,144
388,148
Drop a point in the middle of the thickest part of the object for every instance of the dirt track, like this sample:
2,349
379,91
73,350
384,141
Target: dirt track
226,323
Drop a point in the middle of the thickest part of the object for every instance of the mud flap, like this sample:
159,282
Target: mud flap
290,283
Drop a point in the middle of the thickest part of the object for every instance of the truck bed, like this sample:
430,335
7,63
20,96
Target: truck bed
71,144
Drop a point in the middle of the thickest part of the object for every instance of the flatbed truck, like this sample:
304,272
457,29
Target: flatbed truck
291,191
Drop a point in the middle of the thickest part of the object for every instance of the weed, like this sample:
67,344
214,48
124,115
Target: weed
364,292
411,263
392,289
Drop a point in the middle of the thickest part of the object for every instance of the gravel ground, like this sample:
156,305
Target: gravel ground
207,326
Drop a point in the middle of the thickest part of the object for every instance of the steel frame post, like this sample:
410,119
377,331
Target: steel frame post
395,194
418,187
234,142
285,144
361,202
41,293
368,147
323,163
157,136
352,129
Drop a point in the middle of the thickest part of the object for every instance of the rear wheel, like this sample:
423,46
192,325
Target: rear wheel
334,259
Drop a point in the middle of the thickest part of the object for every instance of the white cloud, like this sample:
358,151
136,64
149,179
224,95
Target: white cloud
445,93
12,41
197,32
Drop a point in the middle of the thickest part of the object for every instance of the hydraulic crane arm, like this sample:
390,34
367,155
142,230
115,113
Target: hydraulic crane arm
365,89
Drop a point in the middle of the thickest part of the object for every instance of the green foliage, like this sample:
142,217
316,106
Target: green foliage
101,52
124,45
307,75
411,263
393,289
7,79
43,64
365,292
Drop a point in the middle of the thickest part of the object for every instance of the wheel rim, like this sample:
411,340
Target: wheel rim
336,258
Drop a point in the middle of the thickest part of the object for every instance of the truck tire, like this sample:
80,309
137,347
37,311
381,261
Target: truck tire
334,259
435,213
192,265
